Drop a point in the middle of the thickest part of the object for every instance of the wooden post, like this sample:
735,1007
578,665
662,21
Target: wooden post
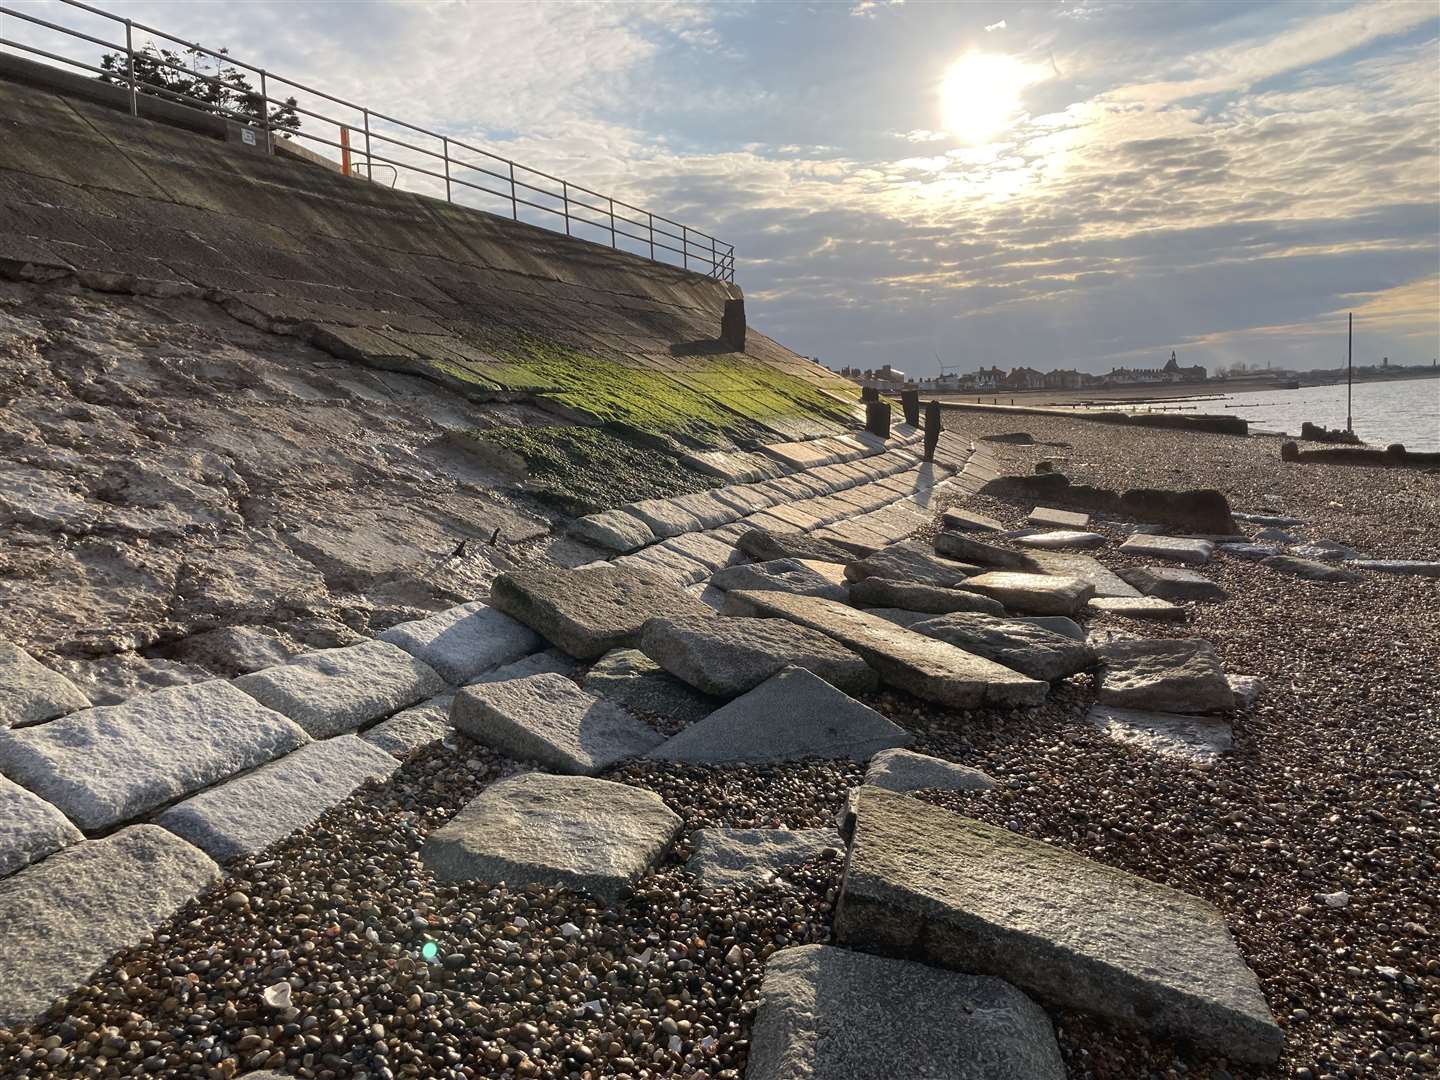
932,428
344,149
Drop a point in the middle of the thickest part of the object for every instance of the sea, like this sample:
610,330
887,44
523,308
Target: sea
1400,411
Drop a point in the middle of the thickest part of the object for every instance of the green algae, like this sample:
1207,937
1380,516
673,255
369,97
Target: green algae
579,470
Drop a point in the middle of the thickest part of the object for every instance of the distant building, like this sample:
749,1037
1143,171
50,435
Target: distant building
1172,372
989,379
1025,378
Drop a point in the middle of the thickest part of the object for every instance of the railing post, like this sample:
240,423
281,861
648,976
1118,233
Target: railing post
369,166
130,67
265,111
652,234
445,140
565,197
514,204
685,246
714,266
612,224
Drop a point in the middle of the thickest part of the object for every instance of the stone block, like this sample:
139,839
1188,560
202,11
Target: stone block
547,718
1062,540
749,858
30,692
885,593
1081,935
965,548
969,521
636,682
1310,569
613,530
1035,594
464,641
1049,517
1028,649
251,812
913,563
112,763
1138,607
567,832
1199,740
1173,583
335,691
413,729
1174,548
779,575
1164,675
30,828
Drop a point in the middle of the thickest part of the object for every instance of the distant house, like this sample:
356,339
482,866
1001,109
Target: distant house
1062,379
1175,373
1024,378
989,379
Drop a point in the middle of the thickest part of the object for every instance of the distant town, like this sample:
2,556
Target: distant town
995,380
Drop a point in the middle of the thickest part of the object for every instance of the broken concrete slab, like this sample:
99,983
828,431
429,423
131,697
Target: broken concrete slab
251,812
413,729
963,894
912,562
1056,624
969,521
1252,552
1173,583
335,691
631,679
1030,650
729,657
779,575
613,530
920,665
790,716
1174,548
664,517
30,692
1138,607
899,616
832,1014
905,770
30,828
1415,567
66,916
112,763
1164,675
1061,540
588,612
568,832
547,718
1036,594
1310,569
1200,740
763,546
464,641
748,858
1086,568
885,593
1248,689
1050,517
965,548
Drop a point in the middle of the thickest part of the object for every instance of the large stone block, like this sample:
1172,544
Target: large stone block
109,764
922,666
1197,739
963,894
632,680
832,1014
728,657
588,612
910,562
66,916
251,812
1049,517
1035,594
763,546
561,831
30,692
779,575
1173,583
964,547
1164,675
1174,548
547,718
790,716
1310,569
465,641
30,828
1023,647
1086,568
614,530
882,592
339,690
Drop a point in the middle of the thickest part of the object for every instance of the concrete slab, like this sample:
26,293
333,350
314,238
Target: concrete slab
251,812
1163,675
1062,540
547,718
832,1014
464,641
1173,548
30,692
749,858
613,530
590,611
1030,650
911,562
789,717
66,916
631,679
1173,583
107,765
30,828
729,657
922,666
963,894
1049,517
1034,594
885,593
964,548
335,691
779,575
1199,740
560,831
969,521
1138,607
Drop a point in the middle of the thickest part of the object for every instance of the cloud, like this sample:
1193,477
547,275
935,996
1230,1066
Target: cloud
869,9
995,26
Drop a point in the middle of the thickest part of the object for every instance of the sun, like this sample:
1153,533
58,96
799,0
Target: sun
980,95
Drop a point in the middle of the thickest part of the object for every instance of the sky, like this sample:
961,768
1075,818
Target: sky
1072,184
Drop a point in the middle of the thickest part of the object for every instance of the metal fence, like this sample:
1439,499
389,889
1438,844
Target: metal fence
367,140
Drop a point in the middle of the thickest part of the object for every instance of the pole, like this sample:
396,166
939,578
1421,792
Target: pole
130,67
265,111
1349,372
445,145
344,149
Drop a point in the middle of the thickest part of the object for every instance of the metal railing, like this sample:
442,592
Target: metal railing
485,176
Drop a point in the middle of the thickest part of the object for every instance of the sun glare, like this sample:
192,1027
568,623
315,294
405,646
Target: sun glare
980,95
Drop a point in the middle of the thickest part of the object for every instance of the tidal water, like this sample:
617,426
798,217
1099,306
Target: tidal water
1404,411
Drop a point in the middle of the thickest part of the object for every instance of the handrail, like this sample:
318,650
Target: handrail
708,253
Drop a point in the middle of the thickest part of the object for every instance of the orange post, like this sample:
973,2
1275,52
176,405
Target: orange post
345,150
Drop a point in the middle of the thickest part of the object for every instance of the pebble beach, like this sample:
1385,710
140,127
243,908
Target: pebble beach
1317,839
